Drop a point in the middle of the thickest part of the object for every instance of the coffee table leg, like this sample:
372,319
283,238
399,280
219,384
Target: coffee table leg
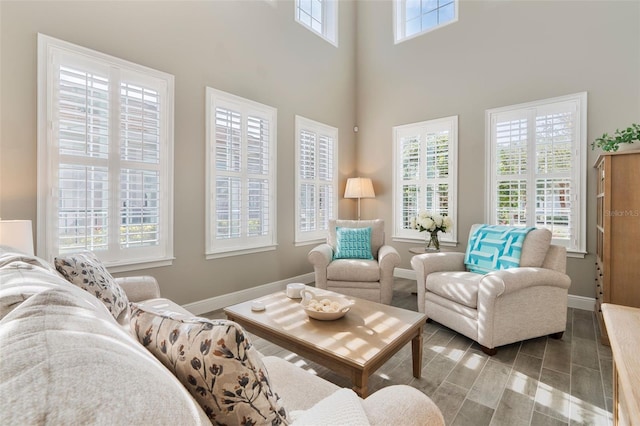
361,384
416,353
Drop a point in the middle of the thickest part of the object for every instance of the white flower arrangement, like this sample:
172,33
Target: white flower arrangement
430,222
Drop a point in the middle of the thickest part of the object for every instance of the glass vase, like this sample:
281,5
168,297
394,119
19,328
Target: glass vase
431,241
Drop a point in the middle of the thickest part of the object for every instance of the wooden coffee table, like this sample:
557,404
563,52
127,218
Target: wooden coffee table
354,346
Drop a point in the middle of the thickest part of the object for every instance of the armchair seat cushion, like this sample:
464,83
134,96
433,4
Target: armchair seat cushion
459,287
353,270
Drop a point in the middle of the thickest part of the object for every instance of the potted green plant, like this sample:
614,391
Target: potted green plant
611,143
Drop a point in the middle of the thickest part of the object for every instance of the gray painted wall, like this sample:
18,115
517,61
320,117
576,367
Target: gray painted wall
499,53
251,49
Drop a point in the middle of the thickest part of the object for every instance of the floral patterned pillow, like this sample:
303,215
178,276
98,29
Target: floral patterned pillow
216,362
87,272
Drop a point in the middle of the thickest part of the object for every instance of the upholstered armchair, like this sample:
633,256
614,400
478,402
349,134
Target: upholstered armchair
499,307
370,279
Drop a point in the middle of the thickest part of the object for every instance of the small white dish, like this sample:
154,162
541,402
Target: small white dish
258,306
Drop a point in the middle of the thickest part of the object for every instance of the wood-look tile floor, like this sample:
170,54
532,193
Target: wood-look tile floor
536,382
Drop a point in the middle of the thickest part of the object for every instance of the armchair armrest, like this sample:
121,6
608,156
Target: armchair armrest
437,262
497,283
320,256
139,288
388,257
391,404
425,264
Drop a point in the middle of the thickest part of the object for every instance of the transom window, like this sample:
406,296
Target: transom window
425,175
241,175
416,17
319,16
316,179
536,174
105,149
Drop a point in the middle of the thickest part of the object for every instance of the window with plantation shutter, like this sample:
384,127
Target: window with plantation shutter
320,17
241,144
415,17
425,175
536,172
105,148
316,179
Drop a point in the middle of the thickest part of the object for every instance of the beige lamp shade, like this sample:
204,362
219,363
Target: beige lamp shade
17,234
359,188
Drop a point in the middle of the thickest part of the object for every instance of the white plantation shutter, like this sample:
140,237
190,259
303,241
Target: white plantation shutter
536,175
316,179
240,175
104,156
425,174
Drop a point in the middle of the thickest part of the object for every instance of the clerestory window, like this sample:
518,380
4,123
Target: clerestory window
416,17
320,17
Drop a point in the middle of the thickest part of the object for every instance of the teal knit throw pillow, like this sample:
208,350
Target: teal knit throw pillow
353,243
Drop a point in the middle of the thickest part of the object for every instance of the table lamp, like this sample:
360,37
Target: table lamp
359,188
17,234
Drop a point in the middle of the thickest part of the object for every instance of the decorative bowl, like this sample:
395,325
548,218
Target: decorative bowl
325,308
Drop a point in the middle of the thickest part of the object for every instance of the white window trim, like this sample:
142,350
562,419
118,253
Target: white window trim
399,22
329,25
47,165
579,173
302,123
413,235
214,249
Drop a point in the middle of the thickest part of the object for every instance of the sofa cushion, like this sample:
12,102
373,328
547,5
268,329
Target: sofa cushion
343,407
459,287
87,272
215,361
353,270
353,243
65,361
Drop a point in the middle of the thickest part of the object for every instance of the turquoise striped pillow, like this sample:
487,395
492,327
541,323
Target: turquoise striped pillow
353,243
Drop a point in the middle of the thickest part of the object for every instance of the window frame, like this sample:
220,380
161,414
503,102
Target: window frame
400,22
402,234
329,25
320,234
48,165
578,174
214,248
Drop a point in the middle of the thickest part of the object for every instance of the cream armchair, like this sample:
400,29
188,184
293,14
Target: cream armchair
499,307
367,279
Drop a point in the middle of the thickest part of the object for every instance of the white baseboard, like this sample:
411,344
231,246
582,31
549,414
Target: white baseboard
577,302
219,302
581,302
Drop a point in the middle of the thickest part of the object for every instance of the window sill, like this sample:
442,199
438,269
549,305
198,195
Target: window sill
238,252
310,242
135,266
421,241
